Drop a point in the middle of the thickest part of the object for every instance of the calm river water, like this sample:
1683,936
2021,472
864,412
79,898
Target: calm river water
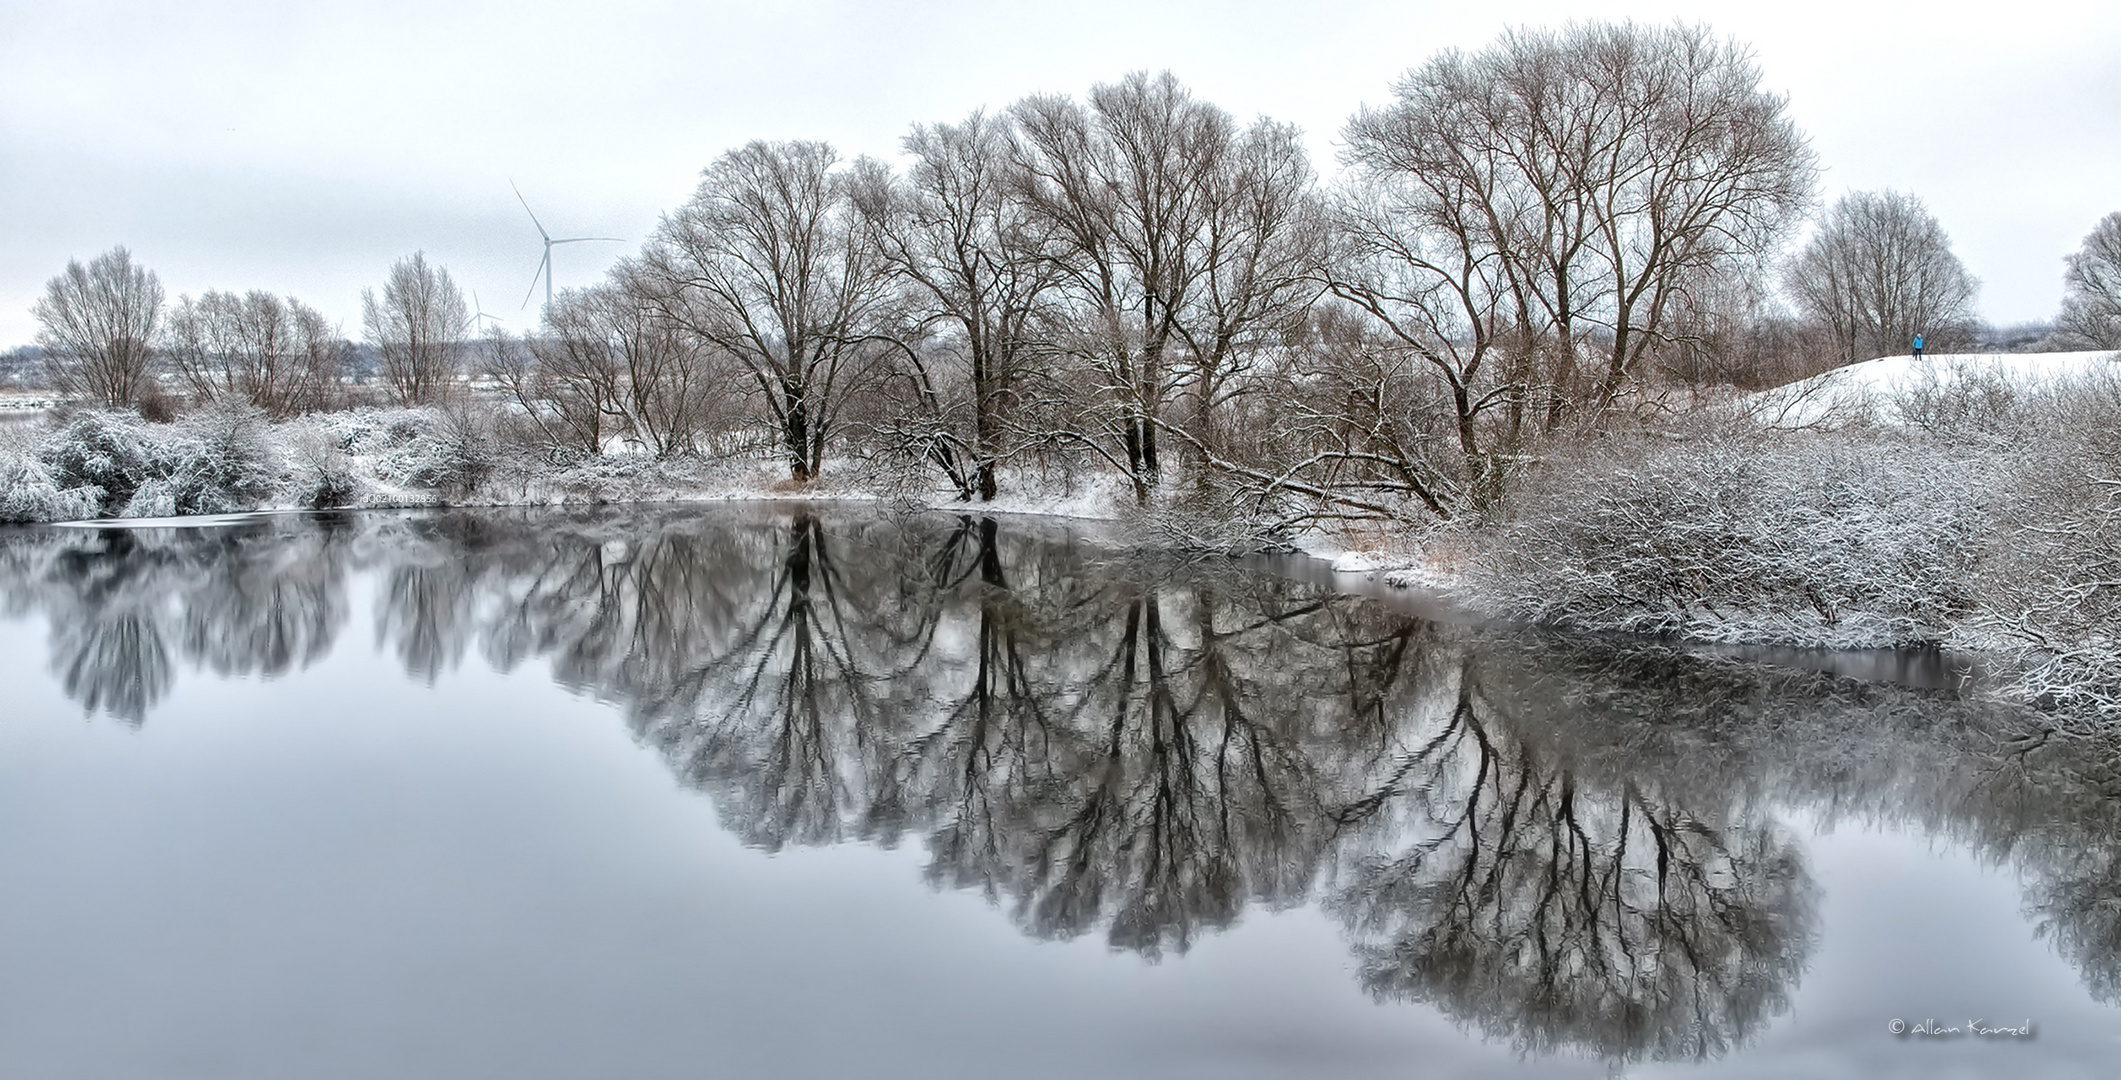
775,792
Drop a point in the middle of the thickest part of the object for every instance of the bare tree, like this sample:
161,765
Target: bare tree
979,286
2091,308
1426,246
98,328
1561,194
280,355
566,380
1354,428
611,362
772,265
1706,171
1120,185
1265,237
1182,241
1879,271
416,325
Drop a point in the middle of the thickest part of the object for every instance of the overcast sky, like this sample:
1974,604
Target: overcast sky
300,148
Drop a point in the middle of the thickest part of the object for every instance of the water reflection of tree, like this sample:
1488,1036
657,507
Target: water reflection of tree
1166,812
984,756
2051,802
266,602
109,645
1558,909
1560,843
1125,747
727,642
2005,785
785,725
1112,749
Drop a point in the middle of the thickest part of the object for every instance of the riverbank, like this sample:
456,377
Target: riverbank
1974,508
1969,512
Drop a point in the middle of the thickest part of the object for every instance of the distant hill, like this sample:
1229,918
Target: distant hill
22,368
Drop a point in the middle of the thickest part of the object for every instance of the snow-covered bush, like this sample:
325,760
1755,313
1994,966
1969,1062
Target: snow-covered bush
109,453
156,497
446,450
1967,401
2052,580
1985,515
30,492
220,460
320,474
1825,539
455,453
1218,517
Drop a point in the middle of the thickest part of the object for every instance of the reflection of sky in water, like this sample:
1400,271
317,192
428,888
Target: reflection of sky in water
343,871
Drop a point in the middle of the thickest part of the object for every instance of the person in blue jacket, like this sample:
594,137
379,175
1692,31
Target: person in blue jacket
1918,346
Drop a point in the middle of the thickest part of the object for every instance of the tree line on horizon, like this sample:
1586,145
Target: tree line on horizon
1537,239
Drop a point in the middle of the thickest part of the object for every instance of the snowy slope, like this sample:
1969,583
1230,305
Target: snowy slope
1873,388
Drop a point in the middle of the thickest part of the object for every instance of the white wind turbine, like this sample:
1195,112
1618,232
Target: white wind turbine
479,315
545,264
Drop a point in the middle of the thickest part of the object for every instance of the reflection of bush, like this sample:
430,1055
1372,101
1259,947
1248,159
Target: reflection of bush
2049,805
2008,786
116,663
125,605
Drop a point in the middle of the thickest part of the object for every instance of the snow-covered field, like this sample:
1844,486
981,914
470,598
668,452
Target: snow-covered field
1894,389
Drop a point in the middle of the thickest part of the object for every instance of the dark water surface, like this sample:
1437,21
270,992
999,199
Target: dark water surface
770,792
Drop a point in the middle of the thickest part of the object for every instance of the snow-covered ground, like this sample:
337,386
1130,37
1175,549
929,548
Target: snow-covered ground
1092,498
1885,389
102,468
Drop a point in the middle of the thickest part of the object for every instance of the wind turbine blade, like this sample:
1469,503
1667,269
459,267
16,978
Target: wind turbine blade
544,267
579,239
526,209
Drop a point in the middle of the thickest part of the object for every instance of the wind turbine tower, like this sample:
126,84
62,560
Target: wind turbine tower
545,264
479,317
